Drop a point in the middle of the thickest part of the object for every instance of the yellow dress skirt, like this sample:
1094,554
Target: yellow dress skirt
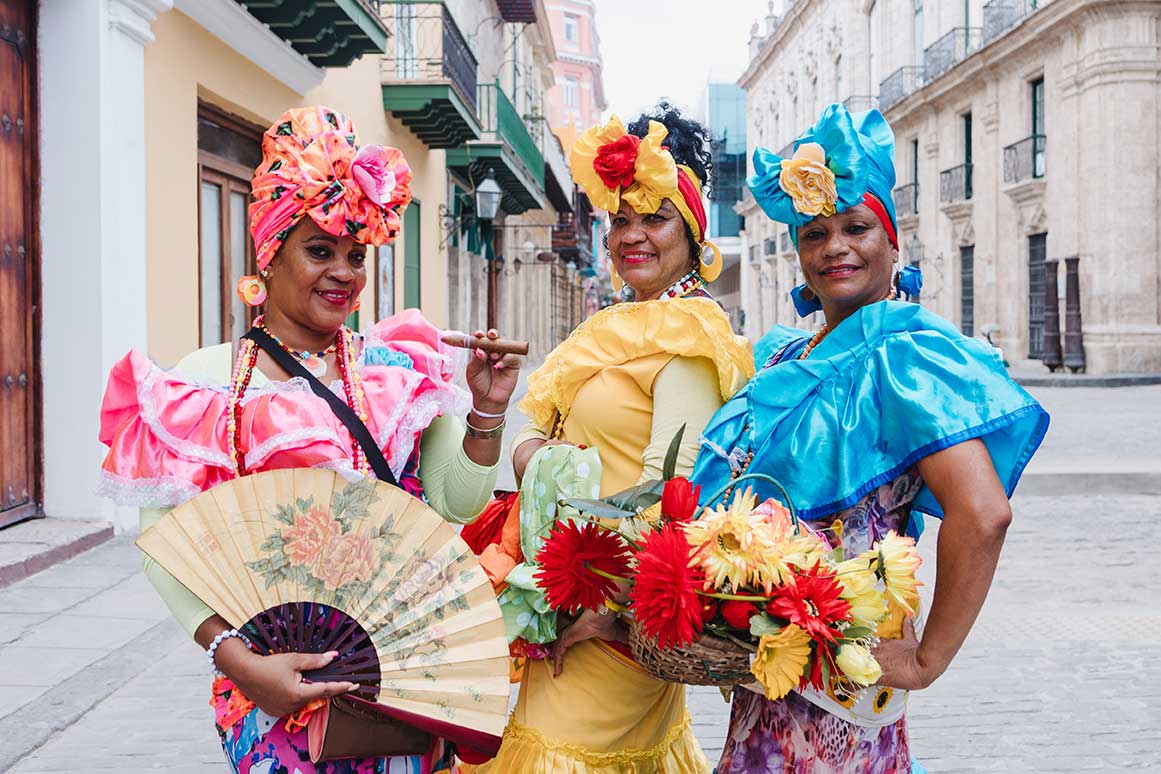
605,714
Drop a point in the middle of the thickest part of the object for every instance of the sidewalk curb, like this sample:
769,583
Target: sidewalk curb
52,554
1025,379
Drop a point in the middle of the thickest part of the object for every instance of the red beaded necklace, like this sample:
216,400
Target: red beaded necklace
243,372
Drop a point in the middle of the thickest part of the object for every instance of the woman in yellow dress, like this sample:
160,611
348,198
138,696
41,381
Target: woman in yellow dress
624,383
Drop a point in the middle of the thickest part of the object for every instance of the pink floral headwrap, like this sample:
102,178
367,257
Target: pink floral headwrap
311,165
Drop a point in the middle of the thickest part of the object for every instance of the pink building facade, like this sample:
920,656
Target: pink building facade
577,101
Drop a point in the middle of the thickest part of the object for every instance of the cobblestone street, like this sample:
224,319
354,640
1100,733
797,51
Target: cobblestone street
1057,676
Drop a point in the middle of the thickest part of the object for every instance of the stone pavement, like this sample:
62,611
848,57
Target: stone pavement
1056,677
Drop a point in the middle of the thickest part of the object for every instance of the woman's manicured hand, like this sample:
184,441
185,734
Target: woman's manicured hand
902,662
275,682
492,377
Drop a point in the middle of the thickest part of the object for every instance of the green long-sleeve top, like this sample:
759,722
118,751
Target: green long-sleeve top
455,486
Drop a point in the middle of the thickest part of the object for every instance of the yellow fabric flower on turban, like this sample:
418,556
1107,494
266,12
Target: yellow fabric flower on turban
808,181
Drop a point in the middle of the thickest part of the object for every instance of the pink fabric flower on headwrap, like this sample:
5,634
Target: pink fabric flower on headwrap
311,165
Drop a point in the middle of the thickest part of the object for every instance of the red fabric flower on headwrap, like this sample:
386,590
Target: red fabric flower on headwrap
311,165
617,160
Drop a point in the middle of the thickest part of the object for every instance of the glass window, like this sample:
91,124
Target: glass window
211,263
571,91
571,29
405,34
385,288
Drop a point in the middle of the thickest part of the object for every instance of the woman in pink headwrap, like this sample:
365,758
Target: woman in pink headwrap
318,201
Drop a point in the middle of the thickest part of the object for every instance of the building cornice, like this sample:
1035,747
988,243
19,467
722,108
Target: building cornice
758,64
233,25
1037,29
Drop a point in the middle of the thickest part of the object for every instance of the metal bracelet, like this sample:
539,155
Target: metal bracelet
477,432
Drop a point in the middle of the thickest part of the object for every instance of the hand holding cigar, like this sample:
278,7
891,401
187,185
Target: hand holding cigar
491,346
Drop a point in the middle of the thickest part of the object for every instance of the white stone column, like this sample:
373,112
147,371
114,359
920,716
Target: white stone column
92,229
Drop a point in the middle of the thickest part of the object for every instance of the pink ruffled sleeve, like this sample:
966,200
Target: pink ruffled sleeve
164,435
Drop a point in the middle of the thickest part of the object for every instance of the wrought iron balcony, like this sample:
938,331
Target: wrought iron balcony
955,184
1024,160
950,49
859,103
506,147
906,200
429,74
1002,15
898,85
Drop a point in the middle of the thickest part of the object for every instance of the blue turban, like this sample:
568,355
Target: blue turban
860,151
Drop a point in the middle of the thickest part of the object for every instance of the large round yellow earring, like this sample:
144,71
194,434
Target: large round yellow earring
615,278
712,269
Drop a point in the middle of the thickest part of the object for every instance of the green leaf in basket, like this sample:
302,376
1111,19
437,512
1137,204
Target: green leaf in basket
762,625
669,469
640,496
825,667
599,508
852,633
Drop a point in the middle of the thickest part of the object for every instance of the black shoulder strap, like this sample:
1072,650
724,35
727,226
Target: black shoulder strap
345,413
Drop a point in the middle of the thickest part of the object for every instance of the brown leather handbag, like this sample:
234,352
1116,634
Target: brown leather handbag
346,728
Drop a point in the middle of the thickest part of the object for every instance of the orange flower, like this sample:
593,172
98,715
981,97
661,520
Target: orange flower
808,181
305,539
346,559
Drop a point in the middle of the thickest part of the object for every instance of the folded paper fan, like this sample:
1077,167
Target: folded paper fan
304,561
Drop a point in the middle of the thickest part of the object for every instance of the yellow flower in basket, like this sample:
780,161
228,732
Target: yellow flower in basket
780,660
897,561
857,663
861,591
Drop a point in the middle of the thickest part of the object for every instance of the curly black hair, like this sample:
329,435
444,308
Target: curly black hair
690,143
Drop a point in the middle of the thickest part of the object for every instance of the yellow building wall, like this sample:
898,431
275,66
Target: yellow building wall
186,63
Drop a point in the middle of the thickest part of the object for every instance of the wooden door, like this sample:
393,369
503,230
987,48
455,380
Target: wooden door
19,253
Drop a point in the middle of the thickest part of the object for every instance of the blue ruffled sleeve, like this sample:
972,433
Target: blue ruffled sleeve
890,385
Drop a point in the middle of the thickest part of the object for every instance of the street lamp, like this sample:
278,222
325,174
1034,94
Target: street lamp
488,196
914,250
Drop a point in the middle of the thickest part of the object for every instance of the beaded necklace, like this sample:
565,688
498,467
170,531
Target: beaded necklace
892,292
684,286
314,362
244,371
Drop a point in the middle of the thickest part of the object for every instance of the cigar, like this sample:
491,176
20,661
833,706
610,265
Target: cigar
497,346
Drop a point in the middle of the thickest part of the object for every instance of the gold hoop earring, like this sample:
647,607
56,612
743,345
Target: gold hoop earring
712,269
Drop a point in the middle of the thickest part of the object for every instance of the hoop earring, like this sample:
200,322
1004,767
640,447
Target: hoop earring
615,278
712,269
252,290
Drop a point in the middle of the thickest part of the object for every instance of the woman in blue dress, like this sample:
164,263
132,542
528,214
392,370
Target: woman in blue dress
886,413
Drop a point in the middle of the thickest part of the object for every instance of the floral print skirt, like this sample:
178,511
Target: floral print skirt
793,736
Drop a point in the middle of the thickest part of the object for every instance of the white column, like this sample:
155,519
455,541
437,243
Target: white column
92,229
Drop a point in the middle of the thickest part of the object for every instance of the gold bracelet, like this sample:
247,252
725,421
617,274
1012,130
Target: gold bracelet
494,432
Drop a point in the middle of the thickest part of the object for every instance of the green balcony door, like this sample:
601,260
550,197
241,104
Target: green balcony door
411,256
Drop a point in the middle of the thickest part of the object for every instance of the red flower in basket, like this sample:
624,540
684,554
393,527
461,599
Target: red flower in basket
617,161
567,559
664,595
679,499
737,613
811,599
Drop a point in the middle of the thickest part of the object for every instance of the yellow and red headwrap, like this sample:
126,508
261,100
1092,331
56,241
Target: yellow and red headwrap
612,166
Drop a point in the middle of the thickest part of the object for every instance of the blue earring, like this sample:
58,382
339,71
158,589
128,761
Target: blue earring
910,281
805,302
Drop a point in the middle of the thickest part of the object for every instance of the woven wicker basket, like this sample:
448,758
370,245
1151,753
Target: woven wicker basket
707,661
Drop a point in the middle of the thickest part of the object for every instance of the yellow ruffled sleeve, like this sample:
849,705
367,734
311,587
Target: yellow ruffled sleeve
682,327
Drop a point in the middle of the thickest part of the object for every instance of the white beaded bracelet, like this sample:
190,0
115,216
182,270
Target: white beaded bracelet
213,649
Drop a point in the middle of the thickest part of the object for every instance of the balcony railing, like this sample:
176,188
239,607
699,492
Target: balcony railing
953,47
1025,159
498,116
906,200
859,103
426,45
955,184
1002,15
895,88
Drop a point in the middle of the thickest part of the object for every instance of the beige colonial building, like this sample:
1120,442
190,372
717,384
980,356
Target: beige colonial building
1026,133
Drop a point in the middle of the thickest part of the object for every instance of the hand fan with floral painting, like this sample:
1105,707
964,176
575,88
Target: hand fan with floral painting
303,561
